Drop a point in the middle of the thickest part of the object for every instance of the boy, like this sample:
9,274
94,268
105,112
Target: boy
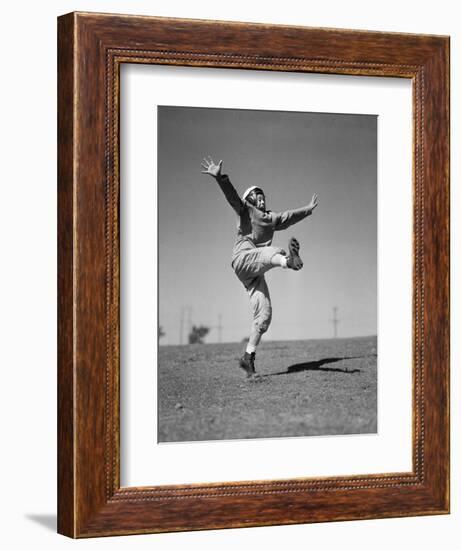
253,254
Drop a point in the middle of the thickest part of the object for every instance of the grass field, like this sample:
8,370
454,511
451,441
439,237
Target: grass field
309,387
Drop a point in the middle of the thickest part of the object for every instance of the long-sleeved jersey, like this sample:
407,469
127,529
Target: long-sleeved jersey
253,223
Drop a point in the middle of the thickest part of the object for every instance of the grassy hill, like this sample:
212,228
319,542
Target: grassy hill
304,388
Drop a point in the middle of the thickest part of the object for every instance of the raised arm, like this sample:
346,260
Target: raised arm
214,170
283,220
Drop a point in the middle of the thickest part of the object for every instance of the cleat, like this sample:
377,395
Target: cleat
293,260
247,363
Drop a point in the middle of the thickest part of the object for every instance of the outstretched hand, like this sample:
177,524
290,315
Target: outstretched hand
211,168
314,202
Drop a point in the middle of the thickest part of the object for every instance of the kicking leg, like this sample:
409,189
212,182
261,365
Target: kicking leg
294,261
254,262
279,260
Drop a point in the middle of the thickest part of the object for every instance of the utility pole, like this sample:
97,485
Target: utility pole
335,322
219,327
189,321
185,319
181,326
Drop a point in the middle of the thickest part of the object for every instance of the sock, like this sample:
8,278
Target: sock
250,349
283,262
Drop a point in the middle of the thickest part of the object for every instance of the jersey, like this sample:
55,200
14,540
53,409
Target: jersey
254,224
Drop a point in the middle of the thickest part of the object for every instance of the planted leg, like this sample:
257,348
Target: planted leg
262,315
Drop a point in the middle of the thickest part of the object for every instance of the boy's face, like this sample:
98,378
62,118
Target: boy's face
259,200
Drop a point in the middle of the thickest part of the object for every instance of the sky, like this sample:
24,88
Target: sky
291,155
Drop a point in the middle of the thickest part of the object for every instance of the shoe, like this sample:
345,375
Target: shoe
293,259
247,363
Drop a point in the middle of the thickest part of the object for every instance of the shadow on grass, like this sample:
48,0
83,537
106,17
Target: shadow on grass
318,366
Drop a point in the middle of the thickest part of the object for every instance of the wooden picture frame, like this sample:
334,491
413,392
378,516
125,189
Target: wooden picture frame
92,47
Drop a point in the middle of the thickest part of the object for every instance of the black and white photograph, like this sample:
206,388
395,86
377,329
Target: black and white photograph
227,253
267,262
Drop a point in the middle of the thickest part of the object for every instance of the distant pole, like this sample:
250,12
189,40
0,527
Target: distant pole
219,328
189,321
181,325
335,322
185,321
